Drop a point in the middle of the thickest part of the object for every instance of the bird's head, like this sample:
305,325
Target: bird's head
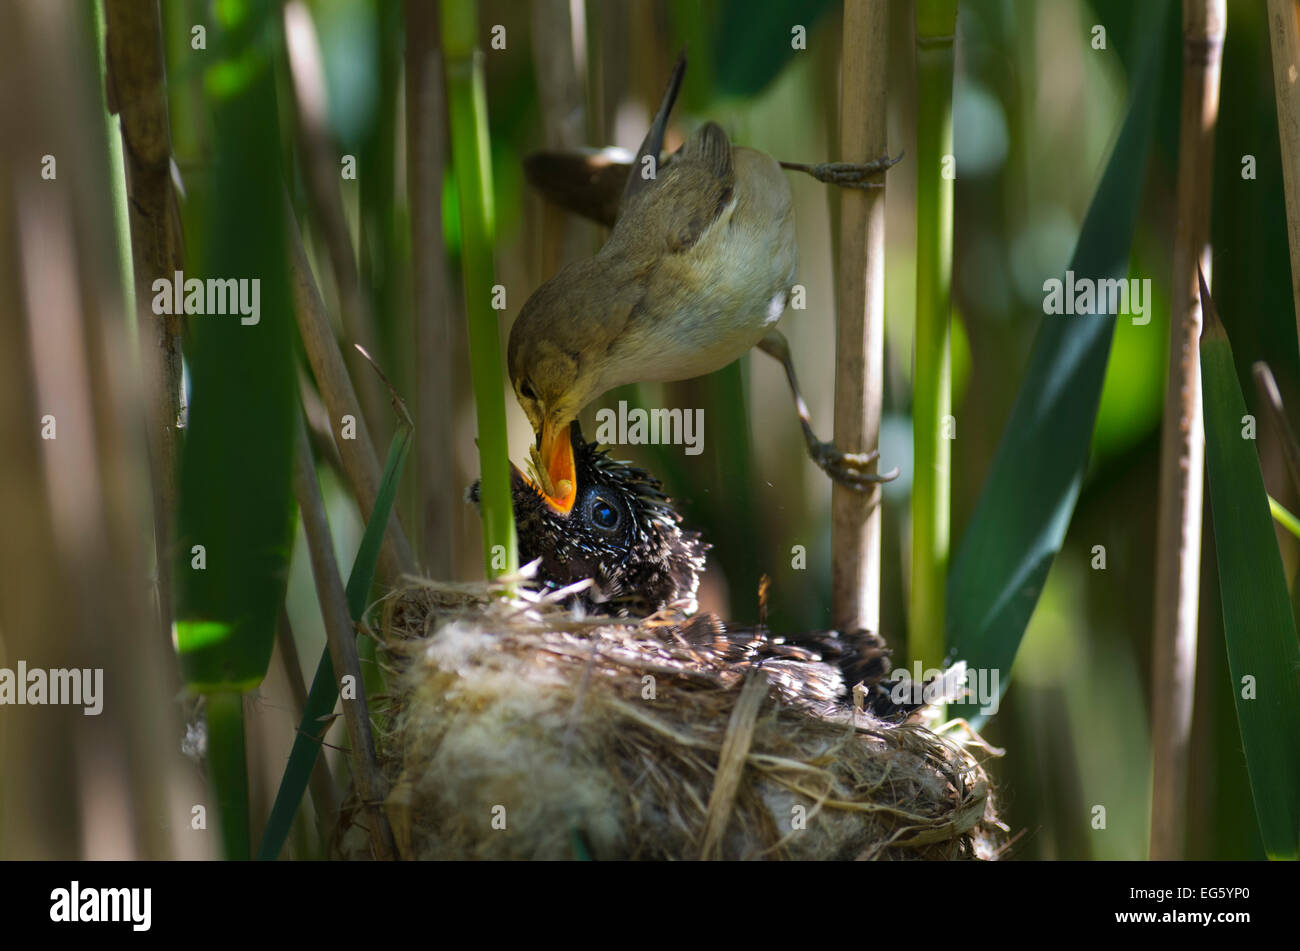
621,531
547,373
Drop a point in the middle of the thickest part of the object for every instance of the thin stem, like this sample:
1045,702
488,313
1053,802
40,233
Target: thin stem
1284,517
321,172
859,345
426,146
342,647
228,769
359,460
564,123
1182,449
936,23
136,84
1271,397
467,102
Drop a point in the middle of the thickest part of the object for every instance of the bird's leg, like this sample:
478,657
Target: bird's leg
846,468
846,174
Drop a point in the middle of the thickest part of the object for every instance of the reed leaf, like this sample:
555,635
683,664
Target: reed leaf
1263,655
236,509
324,692
753,42
1283,516
1029,494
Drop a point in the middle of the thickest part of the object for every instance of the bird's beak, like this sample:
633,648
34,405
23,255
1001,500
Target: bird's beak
556,451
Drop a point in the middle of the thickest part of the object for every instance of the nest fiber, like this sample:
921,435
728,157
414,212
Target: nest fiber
517,730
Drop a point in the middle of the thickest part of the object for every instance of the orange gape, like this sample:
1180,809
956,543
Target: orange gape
563,476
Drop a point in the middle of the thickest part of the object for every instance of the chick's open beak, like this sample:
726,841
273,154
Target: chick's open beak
556,467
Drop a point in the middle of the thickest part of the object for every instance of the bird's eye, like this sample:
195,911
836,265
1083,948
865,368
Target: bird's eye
603,513
526,390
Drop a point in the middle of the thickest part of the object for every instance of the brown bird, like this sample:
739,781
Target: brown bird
696,271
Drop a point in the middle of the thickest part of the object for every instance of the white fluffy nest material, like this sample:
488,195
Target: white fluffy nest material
516,730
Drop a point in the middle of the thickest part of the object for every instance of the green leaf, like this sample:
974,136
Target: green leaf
1029,495
1257,621
363,566
1284,518
234,485
236,508
324,692
755,41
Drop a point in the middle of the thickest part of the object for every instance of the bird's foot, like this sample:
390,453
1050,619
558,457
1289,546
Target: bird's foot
847,174
849,468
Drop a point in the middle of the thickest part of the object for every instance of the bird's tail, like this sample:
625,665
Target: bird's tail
653,143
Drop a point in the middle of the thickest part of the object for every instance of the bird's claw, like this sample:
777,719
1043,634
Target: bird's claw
848,468
853,174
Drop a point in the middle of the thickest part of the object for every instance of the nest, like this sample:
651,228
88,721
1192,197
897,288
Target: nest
516,729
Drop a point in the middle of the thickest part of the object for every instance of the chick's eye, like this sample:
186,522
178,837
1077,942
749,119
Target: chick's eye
526,390
604,514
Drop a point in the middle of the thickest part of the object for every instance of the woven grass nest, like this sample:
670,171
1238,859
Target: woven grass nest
515,729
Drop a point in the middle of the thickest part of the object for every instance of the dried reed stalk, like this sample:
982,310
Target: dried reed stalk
342,646
860,342
137,91
1182,449
359,461
433,313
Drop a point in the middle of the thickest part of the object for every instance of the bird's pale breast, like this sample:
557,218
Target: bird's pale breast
717,299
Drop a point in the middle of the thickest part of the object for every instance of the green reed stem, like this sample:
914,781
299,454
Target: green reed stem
228,772
471,160
932,425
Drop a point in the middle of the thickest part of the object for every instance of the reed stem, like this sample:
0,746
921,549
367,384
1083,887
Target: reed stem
1182,449
467,107
320,166
360,463
342,640
859,342
431,307
936,24
137,87
228,769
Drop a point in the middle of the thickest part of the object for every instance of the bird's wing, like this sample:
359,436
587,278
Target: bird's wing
686,196
687,190
710,148
588,182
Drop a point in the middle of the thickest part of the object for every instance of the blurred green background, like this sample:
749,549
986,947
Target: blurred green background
1036,112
